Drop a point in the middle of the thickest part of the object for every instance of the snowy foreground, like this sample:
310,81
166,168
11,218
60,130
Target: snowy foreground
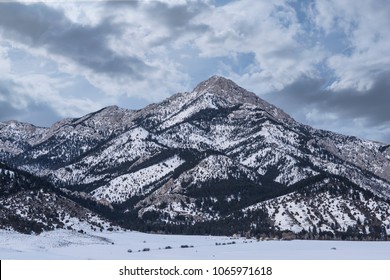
64,245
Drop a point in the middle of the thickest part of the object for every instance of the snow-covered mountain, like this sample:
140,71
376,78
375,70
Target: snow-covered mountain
212,156
29,204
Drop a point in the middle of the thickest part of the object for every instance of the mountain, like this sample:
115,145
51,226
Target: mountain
29,204
17,137
216,160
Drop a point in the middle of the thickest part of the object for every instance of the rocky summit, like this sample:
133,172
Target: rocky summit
217,160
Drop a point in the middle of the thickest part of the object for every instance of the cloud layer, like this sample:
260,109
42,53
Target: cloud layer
327,63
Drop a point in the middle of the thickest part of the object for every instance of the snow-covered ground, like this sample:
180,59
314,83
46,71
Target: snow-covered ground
64,245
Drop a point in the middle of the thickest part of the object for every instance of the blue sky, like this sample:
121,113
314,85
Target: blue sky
326,63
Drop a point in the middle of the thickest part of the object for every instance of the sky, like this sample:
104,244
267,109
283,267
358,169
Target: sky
324,62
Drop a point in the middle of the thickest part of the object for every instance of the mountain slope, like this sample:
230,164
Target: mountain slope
204,157
17,137
31,205
329,205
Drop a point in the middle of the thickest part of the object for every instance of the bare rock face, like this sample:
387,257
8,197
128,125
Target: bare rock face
219,154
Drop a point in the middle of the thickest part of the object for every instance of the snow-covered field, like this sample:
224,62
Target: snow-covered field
64,245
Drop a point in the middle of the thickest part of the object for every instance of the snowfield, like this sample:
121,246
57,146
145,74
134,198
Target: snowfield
67,245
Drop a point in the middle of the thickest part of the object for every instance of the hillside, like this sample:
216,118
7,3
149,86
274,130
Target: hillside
217,160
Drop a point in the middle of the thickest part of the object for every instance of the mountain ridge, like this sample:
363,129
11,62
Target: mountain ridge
204,157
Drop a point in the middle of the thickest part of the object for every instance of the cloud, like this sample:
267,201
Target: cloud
5,64
268,29
122,44
367,54
348,111
40,26
20,107
103,47
174,17
319,60
33,90
38,114
121,4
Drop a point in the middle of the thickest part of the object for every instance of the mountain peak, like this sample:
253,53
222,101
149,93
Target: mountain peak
227,90
217,83
233,94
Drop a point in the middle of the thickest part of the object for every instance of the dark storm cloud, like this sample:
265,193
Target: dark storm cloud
372,105
122,4
178,19
173,16
37,25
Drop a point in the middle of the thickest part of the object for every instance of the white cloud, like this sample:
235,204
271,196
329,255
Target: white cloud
151,49
79,12
154,33
32,87
364,24
5,63
91,41
270,30
40,89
